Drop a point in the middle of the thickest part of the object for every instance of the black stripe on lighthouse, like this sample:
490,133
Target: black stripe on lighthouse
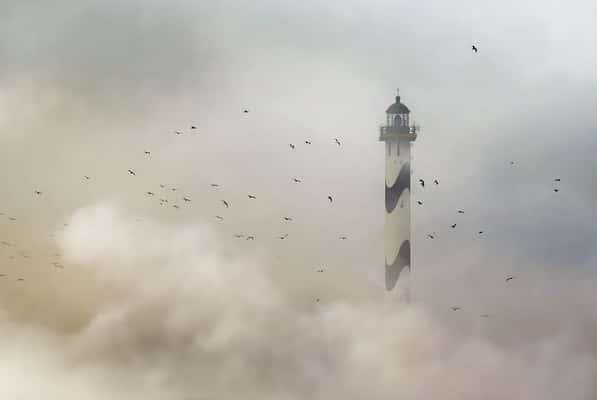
402,260
402,183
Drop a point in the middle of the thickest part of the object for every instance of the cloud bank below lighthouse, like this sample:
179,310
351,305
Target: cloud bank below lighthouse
170,316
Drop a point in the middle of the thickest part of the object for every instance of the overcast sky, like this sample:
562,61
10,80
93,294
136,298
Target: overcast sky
165,302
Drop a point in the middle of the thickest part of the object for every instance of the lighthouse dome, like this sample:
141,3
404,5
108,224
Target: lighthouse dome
398,108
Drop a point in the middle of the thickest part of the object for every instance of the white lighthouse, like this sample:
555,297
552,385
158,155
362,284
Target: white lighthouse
397,134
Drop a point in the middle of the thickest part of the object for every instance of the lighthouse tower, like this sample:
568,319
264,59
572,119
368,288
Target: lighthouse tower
397,134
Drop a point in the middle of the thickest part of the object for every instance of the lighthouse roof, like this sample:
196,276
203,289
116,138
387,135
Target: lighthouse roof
398,108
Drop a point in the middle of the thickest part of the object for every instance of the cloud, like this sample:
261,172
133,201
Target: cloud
185,321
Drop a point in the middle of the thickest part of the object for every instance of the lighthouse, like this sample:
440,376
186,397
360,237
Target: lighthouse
397,133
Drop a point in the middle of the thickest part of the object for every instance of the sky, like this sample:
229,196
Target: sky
158,302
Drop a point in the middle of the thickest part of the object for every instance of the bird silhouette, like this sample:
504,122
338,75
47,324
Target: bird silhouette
175,206
511,162
215,185
86,177
151,193
284,236
455,308
186,199
430,236
239,236
147,152
174,189
436,181
251,196
337,141
296,180
163,200
475,48
37,192
422,182
330,199
131,172
251,237
480,232
226,203
162,185
178,132
460,211
20,279
320,270
556,190
508,279
557,180
343,237
287,218
219,217
307,142
291,146
193,127
453,225
317,300
246,111
419,202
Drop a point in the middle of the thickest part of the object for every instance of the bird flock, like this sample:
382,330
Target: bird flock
164,199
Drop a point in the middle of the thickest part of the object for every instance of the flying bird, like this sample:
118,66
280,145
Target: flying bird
317,300
162,185
291,146
246,111
147,152
151,193
86,177
287,218
430,236
296,180
475,48
436,181
284,236
422,182
419,202
480,232
186,199
251,196
239,236
131,172
178,132
251,237
214,185
343,237
337,141
460,211
330,199
193,127
511,162
453,225
508,279
174,189
307,142
225,203
220,218
557,180
37,192
556,190
320,270
176,206
455,308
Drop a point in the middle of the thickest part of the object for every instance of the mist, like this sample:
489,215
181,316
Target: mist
122,297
